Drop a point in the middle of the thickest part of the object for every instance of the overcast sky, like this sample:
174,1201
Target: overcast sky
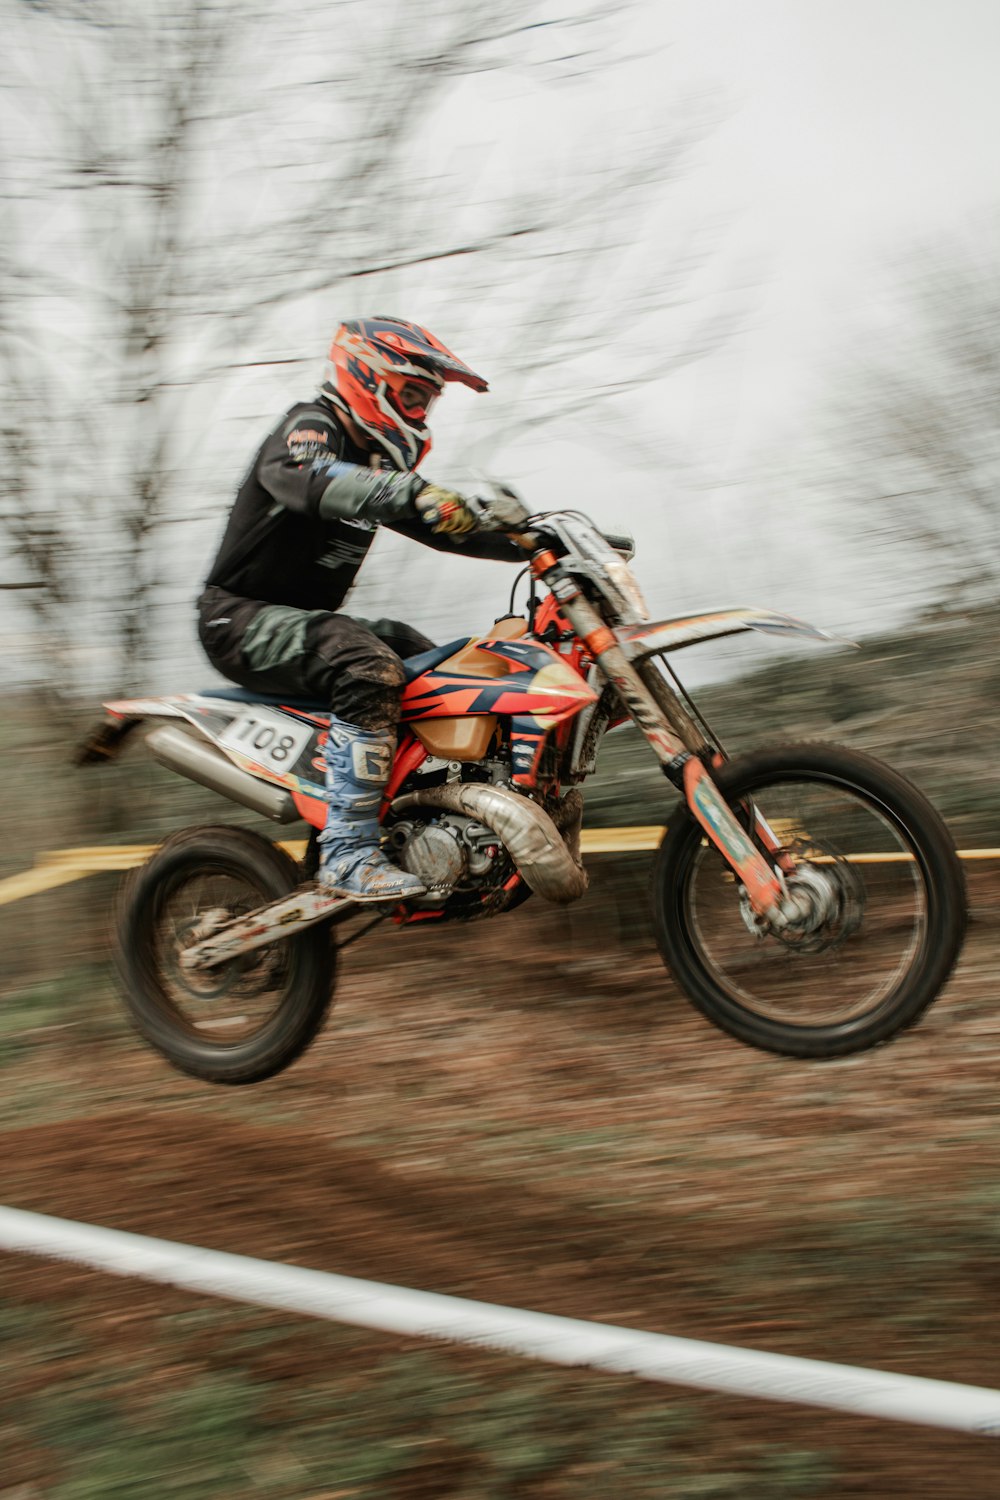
849,130
857,127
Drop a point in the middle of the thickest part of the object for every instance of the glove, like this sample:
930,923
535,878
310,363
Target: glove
504,510
445,512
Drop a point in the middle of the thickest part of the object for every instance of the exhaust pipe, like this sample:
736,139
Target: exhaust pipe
199,761
548,860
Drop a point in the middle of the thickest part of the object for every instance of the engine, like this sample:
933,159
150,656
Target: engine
450,852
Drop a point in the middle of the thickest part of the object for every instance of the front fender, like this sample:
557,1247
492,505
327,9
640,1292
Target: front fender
651,638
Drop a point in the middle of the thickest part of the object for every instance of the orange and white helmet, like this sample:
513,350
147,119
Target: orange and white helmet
386,374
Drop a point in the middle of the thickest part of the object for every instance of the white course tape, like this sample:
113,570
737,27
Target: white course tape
555,1340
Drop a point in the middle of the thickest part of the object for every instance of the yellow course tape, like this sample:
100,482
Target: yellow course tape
43,878
620,840
58,867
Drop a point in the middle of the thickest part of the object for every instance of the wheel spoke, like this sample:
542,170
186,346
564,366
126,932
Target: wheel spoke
236,999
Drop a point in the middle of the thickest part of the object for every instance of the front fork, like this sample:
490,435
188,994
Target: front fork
682,764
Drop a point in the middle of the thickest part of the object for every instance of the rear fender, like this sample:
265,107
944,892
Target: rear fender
104,742
303,775
108,737
208,715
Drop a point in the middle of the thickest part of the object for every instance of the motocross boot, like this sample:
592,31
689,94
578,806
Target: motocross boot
358,762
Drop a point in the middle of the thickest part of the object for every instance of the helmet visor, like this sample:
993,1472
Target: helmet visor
412,397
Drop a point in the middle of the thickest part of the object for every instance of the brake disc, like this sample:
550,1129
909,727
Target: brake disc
834,906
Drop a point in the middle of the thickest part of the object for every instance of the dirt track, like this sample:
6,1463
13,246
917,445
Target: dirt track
532,1115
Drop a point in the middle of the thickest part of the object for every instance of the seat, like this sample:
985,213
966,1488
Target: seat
505,629
235,694
414,665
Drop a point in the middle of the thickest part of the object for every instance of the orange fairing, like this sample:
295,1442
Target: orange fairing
409,756
312,809
453,708
506,677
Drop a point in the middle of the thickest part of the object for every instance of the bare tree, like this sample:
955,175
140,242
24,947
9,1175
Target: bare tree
186,180
912,442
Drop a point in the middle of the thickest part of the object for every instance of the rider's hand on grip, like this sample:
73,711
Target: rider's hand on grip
445,512
502,510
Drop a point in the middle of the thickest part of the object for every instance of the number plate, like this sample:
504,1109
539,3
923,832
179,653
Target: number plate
269,739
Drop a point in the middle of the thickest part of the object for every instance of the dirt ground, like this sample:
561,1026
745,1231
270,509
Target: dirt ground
525,1112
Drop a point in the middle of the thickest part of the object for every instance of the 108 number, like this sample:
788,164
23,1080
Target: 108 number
265,737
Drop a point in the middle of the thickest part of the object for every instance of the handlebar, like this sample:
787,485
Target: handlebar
621,542
531,541
505,511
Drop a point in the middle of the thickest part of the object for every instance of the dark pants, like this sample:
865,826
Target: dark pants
351,666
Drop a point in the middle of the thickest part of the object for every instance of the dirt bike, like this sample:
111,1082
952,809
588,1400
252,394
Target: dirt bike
807,899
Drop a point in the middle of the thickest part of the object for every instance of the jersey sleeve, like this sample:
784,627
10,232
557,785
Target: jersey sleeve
492,546
301,467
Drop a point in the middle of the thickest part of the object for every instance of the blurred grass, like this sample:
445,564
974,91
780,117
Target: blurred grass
79,1000
221,1402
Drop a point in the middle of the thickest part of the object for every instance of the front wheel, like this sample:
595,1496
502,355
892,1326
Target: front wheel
878,872
243,1020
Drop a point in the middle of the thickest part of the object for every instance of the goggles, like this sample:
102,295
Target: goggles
412,397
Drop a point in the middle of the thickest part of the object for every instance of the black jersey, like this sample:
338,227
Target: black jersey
307,512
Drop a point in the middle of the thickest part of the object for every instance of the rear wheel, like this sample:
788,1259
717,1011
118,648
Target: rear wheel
876,874
243,1020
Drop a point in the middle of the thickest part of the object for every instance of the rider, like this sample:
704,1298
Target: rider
333,470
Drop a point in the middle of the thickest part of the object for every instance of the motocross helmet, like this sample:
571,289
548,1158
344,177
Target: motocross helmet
386,375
